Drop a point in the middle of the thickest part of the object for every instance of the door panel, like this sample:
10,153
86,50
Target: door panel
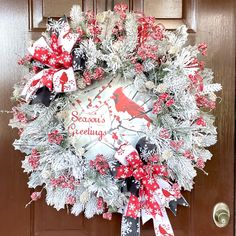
211,21
164,8
170,13
216,26
13,192
53,8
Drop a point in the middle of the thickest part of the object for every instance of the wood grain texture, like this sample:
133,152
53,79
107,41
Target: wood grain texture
164,8
190,14
55,8
215,25
40,10
171,14
15,219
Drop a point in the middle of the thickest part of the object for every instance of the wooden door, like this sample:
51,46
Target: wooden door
211,21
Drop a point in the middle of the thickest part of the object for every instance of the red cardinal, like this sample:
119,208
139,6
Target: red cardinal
163,231
124,104
63,81
166,193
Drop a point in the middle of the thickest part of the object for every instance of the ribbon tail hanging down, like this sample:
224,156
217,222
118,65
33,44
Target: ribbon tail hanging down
33,84
130,226
58,80
154,193
161,222
162,227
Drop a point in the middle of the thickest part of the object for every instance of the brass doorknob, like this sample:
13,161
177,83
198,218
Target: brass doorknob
221,214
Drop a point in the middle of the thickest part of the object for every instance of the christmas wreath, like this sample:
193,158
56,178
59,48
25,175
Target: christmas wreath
114,116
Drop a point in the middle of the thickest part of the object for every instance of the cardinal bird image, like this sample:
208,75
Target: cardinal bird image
163,231
63,81
124,104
